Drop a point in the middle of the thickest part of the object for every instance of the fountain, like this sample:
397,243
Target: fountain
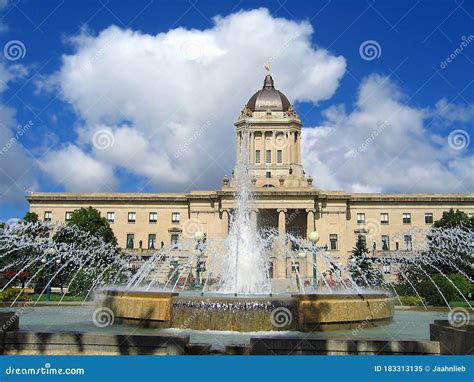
237,293
226,284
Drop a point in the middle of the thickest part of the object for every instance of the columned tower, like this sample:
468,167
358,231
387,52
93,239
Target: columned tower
274,131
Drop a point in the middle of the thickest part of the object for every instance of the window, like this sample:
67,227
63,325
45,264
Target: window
333,241
68,216
385,243
175,217
131,217
408,242
406,218
110,217
268,156
130,238
428,218
279,156
153,217
257,156
174,238
48,215
360,218
151,241
384,218
295,267
268,174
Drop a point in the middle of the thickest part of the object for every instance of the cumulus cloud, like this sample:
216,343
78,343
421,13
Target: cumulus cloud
16,165
78,171
385,145
169,100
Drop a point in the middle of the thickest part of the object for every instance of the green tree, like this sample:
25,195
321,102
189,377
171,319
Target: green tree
88,220
449,246
31,217
452,219
361,267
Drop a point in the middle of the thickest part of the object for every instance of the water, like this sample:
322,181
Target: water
407,324
238,264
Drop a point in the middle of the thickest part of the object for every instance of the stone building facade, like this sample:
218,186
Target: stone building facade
284,197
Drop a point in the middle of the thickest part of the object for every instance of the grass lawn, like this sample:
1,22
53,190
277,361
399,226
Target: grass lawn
55,297
460,304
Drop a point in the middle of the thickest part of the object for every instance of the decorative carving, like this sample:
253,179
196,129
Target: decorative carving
245,112
310,181
291,113
281,180
225,181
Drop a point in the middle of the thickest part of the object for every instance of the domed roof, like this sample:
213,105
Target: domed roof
268,98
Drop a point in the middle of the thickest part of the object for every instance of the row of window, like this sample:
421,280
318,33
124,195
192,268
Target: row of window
130,244
131,217
384,219
268,157
407,240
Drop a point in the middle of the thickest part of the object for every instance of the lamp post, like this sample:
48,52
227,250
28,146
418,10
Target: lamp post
314,238
50,252
200,266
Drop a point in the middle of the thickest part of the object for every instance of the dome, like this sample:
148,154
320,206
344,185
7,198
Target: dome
268,98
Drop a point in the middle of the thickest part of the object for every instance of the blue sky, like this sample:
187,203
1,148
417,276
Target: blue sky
427,98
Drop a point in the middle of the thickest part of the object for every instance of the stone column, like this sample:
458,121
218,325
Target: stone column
251,148
282,221
225,222
253,218
310,226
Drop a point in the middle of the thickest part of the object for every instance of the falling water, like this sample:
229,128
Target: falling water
245,266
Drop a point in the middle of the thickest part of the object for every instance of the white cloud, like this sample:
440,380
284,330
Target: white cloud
170,100
77,171
384,145
16,165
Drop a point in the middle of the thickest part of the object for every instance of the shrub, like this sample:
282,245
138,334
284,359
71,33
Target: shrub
431,294
411,300
10,294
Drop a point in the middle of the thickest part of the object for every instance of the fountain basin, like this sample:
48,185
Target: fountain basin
248,313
